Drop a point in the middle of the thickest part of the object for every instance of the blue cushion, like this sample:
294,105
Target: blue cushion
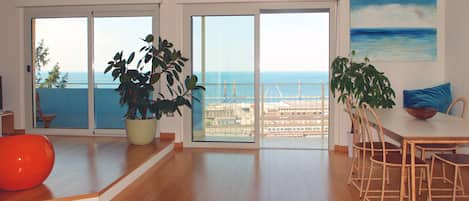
438,97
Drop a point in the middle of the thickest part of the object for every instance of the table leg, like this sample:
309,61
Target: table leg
412,170
403,167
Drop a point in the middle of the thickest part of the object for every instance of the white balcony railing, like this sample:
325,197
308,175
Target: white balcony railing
286,109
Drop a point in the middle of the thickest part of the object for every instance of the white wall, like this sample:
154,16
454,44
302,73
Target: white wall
457,44
403,75
11,66
171,29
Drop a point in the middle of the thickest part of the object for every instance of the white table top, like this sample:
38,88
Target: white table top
441,127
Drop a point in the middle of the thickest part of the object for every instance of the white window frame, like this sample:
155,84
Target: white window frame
78,11
254,9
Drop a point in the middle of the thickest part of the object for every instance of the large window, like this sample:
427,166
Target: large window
265,67
107,111
60,60
294,79
70,48
223,57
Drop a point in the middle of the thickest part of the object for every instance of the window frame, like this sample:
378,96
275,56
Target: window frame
256,9
256,100
89,12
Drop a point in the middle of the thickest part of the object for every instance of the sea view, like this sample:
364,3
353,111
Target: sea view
290,99
402,44
276,83
229,102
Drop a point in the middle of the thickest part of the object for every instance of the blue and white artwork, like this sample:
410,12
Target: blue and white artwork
394,30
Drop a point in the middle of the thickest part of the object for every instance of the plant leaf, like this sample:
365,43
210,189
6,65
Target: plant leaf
155,77
131,58
149,38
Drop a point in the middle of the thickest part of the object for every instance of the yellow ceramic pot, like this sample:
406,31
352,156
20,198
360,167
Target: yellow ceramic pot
140,131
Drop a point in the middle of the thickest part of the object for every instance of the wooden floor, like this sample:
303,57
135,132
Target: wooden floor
248,175
245,175
86,166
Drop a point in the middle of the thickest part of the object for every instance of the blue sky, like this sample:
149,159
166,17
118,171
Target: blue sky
289,42
67,38
229,43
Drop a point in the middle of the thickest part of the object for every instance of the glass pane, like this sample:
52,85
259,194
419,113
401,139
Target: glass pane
294,80
110,38
60,58
223,59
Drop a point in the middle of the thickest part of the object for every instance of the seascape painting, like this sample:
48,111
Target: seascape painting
394,30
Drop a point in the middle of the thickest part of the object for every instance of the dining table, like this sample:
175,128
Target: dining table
399,125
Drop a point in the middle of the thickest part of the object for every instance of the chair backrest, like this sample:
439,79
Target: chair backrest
368,115
38,107
463,101
355,119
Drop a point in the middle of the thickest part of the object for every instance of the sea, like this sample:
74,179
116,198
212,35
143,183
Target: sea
235,84
395,44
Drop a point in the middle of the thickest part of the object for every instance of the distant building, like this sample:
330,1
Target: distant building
291,118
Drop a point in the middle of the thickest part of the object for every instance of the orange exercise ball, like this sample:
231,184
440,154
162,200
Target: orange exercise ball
25,161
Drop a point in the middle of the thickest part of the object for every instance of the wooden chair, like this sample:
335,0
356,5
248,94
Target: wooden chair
443,148
362,147
458,161
463,101
384,158
45,118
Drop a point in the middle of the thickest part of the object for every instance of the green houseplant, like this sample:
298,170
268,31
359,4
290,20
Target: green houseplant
158,63
360,81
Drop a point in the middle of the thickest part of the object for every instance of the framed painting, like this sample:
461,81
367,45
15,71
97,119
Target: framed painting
394,30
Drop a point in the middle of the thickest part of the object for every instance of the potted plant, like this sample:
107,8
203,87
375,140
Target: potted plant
137,83
362,83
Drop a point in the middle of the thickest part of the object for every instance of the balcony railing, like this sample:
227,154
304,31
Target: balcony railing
286,109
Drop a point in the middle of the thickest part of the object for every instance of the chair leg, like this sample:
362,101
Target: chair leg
455,184
421,181
432,168
429,184
408,185
443,167
362,174
383,185
422,156
352,167
368,183
357,157
47,124
387,176
461,182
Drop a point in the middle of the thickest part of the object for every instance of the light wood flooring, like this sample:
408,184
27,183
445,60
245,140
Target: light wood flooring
248,175
86,166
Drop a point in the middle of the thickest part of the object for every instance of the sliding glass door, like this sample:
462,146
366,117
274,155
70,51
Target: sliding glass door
223,59
108,114
265,69
69,51
294,78
60,55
